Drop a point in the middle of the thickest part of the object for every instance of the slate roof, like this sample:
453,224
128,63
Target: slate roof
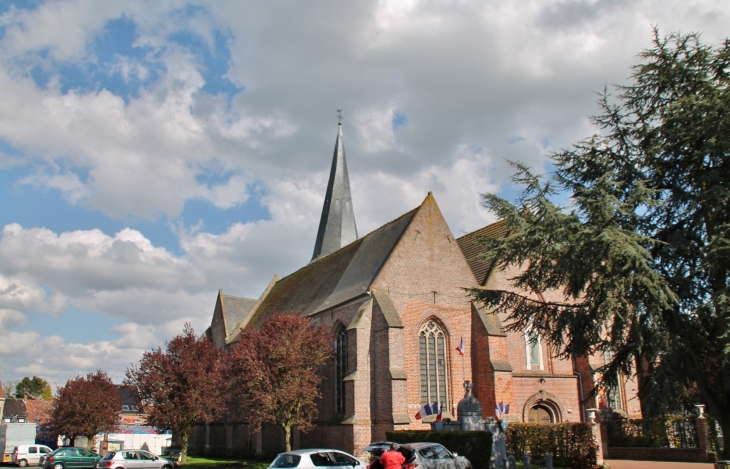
474,251
129,397
235,308
337,224
14,408
333,279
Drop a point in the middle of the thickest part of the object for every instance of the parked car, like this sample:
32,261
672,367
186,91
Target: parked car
311,458
71,458
419,455
134,459
29,455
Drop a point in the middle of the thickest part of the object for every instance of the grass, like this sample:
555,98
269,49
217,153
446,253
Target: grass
195,462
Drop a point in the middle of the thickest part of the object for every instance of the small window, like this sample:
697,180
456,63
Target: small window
45,450
441,452
533,350
320,459
340,370
33,450
427,453
129,455
286,460
109,455
343,459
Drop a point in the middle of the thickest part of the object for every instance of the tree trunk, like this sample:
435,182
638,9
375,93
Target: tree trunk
287,434
90,443
184,443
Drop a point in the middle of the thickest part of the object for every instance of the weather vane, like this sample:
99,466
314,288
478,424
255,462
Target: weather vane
339,116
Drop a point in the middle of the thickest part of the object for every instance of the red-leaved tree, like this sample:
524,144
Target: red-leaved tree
273,372
85,407
181,385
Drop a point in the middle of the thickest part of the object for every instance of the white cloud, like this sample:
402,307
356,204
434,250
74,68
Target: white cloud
479,82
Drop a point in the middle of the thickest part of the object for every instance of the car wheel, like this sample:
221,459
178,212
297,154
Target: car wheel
22,463
165,467
58,465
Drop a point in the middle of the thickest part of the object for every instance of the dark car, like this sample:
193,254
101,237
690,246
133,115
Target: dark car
71,458
418,455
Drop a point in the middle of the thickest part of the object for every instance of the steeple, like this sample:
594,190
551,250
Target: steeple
337,225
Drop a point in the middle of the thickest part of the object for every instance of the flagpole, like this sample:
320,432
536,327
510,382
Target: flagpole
463,369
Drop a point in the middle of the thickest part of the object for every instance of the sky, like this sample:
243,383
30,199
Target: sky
153,152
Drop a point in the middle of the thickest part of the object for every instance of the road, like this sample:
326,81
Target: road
626,464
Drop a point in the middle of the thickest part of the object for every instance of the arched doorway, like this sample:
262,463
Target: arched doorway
541,413
543,408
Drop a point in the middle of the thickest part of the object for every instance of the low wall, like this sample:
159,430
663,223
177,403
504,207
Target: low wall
661,454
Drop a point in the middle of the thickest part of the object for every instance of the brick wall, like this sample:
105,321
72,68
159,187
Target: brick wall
425,276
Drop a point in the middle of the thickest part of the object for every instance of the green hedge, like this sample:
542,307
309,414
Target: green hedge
571,444
474,446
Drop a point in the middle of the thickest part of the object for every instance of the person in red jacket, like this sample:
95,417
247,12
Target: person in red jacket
392,459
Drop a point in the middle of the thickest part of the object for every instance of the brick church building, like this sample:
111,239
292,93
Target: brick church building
396,304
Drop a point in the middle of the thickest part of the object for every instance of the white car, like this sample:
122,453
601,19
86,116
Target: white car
134,459
315,458
25,455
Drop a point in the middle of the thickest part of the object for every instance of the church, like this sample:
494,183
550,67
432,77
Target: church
406,333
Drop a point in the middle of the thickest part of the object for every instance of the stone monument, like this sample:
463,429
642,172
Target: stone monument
469,418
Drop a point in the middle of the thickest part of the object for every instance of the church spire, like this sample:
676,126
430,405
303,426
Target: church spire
337,225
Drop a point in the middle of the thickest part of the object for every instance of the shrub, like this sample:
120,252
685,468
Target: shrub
475,446
571,444
637,433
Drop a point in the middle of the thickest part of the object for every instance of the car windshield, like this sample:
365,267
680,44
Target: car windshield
286,460
441,452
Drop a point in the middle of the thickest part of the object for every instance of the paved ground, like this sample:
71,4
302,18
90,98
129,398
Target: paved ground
627,464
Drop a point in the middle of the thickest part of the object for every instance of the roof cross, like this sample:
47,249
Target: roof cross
339,116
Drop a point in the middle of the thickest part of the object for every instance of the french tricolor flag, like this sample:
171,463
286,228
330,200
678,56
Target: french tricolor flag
432,409
460,348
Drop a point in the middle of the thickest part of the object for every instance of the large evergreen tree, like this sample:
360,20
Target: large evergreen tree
642,252
35,387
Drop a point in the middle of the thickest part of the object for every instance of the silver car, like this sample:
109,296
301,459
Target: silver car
134,459
419,455
315,458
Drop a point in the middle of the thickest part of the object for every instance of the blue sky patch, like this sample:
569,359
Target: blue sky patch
214,64
399,120
75,326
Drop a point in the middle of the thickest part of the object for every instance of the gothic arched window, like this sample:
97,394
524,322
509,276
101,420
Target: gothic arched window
340,369
432,345
533,350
